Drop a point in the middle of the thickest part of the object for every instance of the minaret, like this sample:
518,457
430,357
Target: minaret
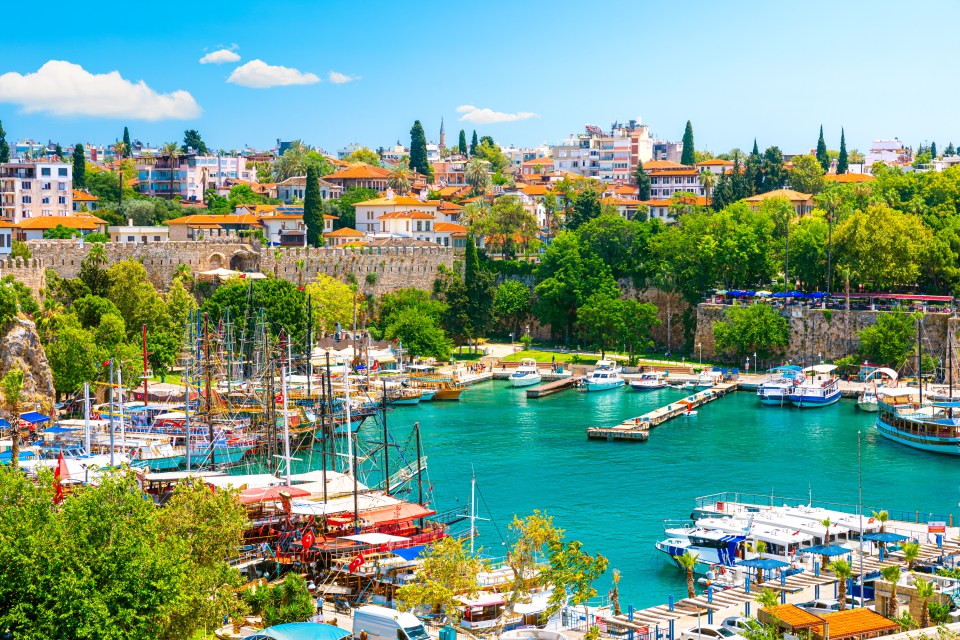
443,137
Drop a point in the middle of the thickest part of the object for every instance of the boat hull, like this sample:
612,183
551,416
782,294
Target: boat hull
526,381
168,463
448,394
602,386
948,446
811,402
648,387
870,407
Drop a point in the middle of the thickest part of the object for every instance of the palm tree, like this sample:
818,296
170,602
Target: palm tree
400,178
301,265
911,550
842,569
767,598
707,180
12,384
824,560
881,517
615,593
687,562
171,151
760,547
892,575
291,162
477,175
925,590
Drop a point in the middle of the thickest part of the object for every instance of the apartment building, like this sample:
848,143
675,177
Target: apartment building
190,176
370,212
609,156
33,189
667,178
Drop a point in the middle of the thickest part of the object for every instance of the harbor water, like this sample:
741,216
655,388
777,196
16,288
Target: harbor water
614,496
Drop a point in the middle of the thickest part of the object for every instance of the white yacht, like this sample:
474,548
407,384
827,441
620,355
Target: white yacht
776,389
820,389
526,374
867,399
605,376
649,380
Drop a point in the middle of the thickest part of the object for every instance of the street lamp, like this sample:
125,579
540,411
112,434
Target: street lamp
820,355
755,363
748,364
700,347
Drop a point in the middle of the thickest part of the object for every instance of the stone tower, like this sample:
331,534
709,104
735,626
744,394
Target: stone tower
443,137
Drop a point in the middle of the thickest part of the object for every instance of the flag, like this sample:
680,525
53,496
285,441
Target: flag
307,540
356,563
376,365
59,474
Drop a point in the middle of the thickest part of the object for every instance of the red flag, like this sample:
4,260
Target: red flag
356,563
307,540
60,473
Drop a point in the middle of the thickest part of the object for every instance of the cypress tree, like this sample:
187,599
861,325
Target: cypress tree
470,263
949,151
4,147
59,152
473,143
754,173
687,157
842,162
643,182
462,144
79,167
738,181
313,208
126,143
933,149
822,156
418,149
774,174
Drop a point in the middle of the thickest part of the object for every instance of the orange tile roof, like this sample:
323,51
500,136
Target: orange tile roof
449,227
345,232
450,206
856,622
243,218
359,171
794,616
621,201
715,162
625,189
6,225
847,178
447,192
681,171
656,165
395,201
405,215
50,222
542,161
535,189
83,196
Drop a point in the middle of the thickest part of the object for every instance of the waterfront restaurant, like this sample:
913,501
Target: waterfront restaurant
859,623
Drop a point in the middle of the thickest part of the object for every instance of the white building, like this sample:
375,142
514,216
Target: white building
33,189
190,176
6,237
369,212
136,234
609,156
888,152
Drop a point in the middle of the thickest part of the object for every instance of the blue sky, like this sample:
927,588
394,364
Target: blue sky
737,70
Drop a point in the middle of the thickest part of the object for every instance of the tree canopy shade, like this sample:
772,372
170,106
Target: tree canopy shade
108,563
687,157
755,328
882,247
331,302
79,167
774,173
447,571
281,300
412,317
364,155
806,175
890,341
192,140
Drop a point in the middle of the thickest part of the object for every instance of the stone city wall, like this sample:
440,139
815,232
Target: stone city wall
31,273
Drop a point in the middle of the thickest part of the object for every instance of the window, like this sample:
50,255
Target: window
45,171
62,172
26,184
45,200
130,239
156,238
62,200
62,186
419,226
26,200
45,186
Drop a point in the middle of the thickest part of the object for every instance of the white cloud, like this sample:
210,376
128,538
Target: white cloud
341,78
220,56
257,74
489,116
62,88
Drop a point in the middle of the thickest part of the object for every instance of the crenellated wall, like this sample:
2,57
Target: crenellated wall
31,273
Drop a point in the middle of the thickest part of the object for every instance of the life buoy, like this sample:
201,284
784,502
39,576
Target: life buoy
723,570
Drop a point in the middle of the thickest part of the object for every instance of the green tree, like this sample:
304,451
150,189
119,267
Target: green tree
478,283
511,304
572,571
842,160
418,150
933,150
586,207
614,240
884,248
950,150
473,143
600,319
93,273
421,335
534,536
126,142
808,251
60,232
59,152
21,249
447,571
192,140
806,175
642,181
72,360
477,175
774,173
892,575
289,601
753,171
487,150
331,302
639,318
687,157
911,551
282,302
688,562
347,205
364,155
822,157
842,570
756,328
509,226
79,167
313,209
4,145
12,387
462,143
400,178
926,589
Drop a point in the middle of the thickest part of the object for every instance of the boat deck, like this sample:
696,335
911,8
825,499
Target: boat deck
637,429
556,386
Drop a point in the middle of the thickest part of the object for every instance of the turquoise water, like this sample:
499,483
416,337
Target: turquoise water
533,454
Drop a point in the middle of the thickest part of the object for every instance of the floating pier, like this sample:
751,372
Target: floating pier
553,387
638,429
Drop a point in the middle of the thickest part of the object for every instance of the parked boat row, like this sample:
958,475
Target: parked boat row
814,386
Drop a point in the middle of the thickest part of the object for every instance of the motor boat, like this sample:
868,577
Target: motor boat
526,374
820,389
606,376
776,389
649,381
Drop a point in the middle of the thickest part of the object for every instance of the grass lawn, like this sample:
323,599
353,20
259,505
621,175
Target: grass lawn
466,356
545,356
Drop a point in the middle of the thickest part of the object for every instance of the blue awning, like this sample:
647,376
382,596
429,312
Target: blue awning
4,424
34,417
301,631
57,429
410,553
763,563
947,405
830,550
884,537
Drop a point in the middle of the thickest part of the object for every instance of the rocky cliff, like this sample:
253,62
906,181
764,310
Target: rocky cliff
20,348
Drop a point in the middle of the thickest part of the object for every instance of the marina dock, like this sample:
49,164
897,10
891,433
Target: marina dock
556,386
638,429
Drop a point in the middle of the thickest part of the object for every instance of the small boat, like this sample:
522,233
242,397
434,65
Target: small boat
867,399
707,380
776,389
690,412
649,380
426,395
526,374
606,376
821,389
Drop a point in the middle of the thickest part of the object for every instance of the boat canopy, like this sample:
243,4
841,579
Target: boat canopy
897,392
374,538
301,631
253,481
821,368
890,373
785,369
34,417
947,405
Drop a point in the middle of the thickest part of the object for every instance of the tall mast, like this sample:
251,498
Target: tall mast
353,462
286,422
386,444
112,435
207,380
146,396
473,508
309,346
416,427
919,362
187,403
326,421
346,391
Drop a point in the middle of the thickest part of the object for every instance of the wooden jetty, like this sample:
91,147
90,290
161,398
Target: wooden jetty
553,387
638,429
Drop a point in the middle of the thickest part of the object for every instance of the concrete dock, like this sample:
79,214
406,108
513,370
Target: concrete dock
544,390
637,429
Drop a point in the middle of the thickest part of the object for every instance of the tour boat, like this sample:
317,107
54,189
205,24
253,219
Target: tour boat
649,381
526,374
932,426
822,388
867,399
776,390
706,380
605,376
